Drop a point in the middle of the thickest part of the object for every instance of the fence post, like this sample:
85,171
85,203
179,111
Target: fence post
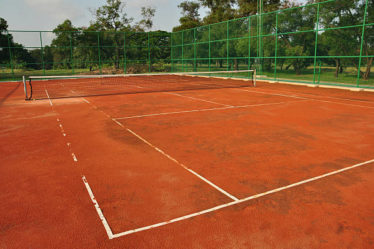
227,46
42,51
71,53
171,53
362,44
210,55
10,55
316,46
276,45
149,55
182,51
194,50
124,53
98,47
249,45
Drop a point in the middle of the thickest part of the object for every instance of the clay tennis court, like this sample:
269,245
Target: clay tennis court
271,166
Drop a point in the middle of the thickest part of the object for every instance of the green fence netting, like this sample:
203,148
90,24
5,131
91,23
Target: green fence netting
328,42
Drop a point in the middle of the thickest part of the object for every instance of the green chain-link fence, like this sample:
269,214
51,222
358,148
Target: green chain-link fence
330,42
85,52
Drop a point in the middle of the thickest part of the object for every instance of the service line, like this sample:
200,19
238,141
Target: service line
208,109
199,99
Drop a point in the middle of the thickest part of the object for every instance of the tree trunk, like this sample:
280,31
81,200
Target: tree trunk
220,63
337,63
236,64
368,68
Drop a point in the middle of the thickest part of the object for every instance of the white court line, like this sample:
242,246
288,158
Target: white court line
85,100
50,101
95,107
209,109
328,97
74,157
241,200
114,120
168,113
308,98
204,100
98,210
275,94
183,166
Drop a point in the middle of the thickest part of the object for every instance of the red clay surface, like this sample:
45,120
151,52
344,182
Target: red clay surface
246,141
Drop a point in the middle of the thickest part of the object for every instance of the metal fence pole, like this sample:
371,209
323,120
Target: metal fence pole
182,51
124,54
71,54
42,51
98,47
10,55
171,53
209,43
249,45
149,55
227,45
316,46
194,50
276,46
362,45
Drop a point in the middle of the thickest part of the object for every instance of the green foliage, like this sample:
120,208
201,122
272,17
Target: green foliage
112,16
190,15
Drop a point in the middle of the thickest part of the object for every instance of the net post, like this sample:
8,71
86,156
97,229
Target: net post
24,86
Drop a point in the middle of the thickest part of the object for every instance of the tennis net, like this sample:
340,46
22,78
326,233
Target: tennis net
42,87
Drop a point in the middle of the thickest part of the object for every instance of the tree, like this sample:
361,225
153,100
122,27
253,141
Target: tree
190,15
4,51
347,42
249,7
62,45
147,15
112,16
220,10
12,52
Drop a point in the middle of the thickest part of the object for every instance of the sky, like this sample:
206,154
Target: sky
47,14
